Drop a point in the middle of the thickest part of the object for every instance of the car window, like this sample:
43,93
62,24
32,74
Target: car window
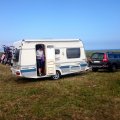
98,56
116,56
111,56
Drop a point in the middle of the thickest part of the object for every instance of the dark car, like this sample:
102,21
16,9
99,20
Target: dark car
105,60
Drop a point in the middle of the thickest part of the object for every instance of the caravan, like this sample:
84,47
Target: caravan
61,57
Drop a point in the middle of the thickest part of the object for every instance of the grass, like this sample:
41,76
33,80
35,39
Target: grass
85,96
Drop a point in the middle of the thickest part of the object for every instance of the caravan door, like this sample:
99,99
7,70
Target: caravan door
50,60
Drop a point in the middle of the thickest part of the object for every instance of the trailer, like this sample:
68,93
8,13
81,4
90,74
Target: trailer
62,56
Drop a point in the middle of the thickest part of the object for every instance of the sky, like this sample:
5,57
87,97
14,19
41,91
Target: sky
95,22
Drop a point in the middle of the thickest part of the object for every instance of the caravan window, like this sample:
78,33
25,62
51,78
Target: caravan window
16,55
57,51
73,53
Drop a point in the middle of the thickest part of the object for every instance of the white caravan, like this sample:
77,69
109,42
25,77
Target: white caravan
62,56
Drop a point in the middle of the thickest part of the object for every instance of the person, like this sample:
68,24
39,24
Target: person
40,60
88,60
3,58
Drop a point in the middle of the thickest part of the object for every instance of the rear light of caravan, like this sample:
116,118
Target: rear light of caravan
105,58
17,73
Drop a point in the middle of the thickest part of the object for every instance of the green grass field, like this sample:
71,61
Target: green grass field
84,96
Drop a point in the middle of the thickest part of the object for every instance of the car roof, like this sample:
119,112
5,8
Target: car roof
106,52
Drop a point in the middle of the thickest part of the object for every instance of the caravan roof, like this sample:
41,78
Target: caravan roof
48,40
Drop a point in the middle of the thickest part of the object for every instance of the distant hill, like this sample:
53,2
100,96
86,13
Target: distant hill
89,52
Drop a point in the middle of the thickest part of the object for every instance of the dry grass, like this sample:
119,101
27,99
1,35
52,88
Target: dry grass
86,96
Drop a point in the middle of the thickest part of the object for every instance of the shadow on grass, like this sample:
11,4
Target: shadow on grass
81,74
21,80
107,71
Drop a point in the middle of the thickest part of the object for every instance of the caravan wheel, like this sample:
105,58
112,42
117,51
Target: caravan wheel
56,76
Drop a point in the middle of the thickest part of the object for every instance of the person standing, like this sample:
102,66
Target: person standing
2,58
40,60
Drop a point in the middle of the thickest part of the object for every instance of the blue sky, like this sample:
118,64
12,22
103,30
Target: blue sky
96,22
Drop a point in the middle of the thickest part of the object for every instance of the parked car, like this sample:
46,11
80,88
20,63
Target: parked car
105,60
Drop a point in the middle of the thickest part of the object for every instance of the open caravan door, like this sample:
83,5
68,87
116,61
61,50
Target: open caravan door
50,60
28,63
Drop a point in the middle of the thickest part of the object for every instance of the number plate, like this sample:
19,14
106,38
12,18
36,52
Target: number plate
96,61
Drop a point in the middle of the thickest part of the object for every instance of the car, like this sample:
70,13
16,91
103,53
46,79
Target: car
105,60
